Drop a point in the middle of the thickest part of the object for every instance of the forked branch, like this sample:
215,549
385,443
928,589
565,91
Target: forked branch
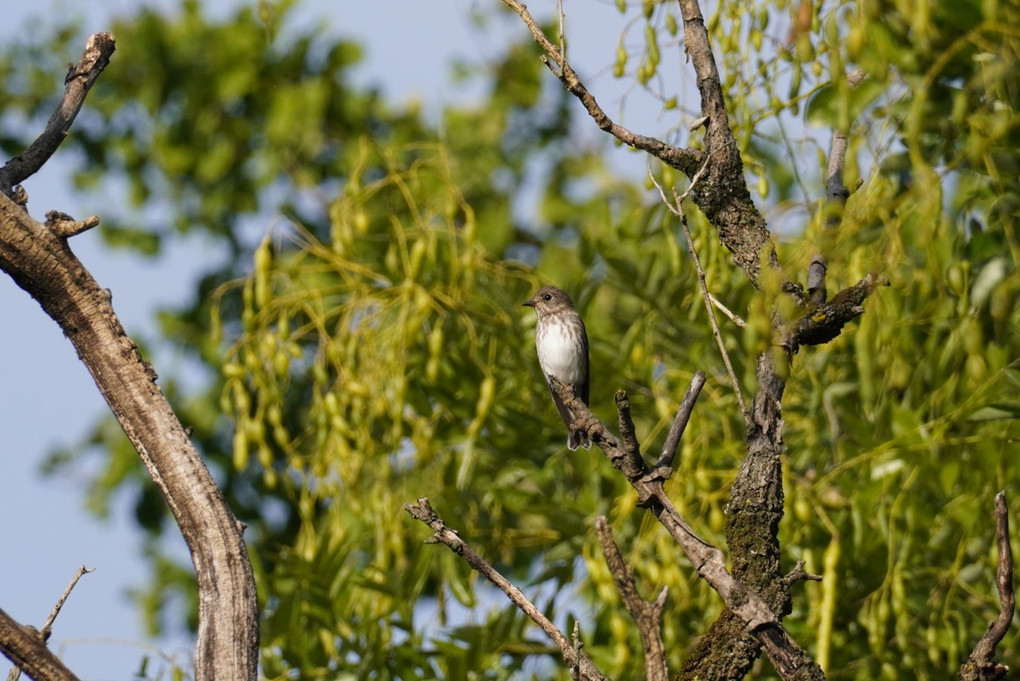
789,659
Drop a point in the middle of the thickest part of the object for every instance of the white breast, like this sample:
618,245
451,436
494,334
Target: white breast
561,356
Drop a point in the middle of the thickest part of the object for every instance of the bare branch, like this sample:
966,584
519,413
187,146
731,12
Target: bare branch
633,464
683,415
981,665
79,80
52,617
686,160
39,260
836,193
572,654
647,615
834,187
758,617
726,311
41,263
26,648
798,574
44,633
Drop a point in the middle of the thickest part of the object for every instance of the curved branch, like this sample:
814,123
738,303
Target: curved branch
41,263
39,260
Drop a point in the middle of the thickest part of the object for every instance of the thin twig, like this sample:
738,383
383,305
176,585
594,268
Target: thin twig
836,194
677,210
715,323
562,35
44,634
52,617
647,615
572,655
798,574
726,311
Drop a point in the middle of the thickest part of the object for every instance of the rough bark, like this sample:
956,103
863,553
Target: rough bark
38,259
43,264
26,648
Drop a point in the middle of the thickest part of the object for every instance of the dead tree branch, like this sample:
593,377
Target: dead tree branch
836,194
686,160
63,225
981,665
756,497
572,654
41,262
42,660
646,614
824,322
757,616
52,617
79,80
676,431
26,648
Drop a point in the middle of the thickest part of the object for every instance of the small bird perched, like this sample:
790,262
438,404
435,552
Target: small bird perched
562,346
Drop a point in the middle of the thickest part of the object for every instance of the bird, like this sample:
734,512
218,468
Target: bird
562,346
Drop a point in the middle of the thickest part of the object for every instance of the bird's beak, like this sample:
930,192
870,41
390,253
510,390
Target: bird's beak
530,303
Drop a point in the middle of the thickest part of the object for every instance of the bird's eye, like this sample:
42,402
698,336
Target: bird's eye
547,296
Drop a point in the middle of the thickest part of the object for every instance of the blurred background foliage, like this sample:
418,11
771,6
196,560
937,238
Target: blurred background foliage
363,344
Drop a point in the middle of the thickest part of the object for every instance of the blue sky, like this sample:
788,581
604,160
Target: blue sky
48,399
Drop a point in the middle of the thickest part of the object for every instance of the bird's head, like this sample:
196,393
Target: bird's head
550,300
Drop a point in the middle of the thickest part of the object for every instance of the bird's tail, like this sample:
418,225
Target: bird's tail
578,438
